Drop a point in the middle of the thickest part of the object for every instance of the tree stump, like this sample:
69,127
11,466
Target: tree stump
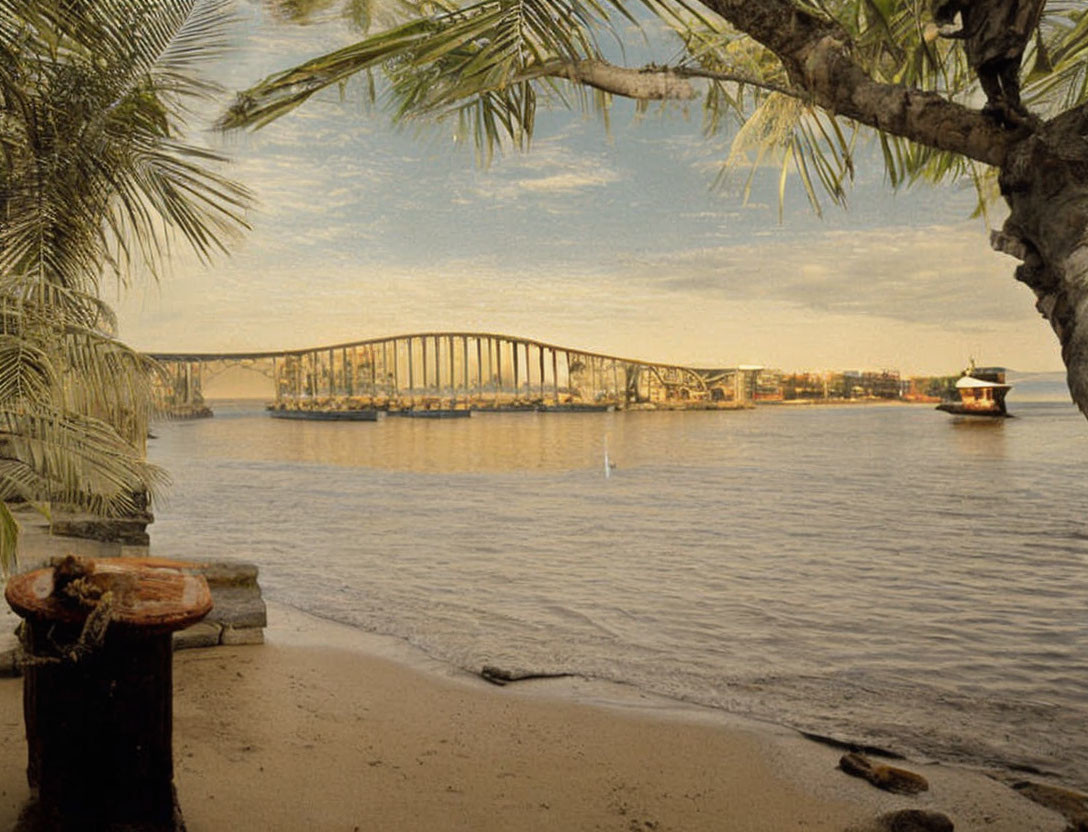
98,692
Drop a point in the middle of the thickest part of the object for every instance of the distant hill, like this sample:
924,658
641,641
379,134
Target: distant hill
1037,387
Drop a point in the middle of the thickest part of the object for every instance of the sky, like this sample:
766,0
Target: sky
609,239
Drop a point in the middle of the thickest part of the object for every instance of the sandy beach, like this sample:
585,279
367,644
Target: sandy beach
328,728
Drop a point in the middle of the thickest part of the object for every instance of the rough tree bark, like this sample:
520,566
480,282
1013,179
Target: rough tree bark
1043,166
619,80
1045,182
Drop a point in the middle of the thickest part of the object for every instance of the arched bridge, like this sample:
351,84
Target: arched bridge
456,370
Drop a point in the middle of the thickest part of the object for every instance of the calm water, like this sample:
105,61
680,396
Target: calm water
885,574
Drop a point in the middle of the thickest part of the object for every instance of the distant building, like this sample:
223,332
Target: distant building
929,388
767,386
881,385
756,383
805,386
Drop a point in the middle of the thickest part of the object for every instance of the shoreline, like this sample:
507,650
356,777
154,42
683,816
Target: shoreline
330,728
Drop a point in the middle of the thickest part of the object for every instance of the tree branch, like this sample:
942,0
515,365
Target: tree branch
652,82
816,53
738,78
648,84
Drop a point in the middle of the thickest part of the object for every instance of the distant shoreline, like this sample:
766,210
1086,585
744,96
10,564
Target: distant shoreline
852,402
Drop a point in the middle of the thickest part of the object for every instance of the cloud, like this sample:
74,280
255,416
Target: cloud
552,169
565,183
943,275
609,307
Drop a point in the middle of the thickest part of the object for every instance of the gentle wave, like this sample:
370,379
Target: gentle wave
887,575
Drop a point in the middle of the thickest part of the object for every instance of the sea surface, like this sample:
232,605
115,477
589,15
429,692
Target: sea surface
882,574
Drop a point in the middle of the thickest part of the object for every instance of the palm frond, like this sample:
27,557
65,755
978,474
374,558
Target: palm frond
27,374
71,459
99,167
278,94
95,176
9,539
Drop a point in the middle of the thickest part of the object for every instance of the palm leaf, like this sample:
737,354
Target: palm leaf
95,176
9,539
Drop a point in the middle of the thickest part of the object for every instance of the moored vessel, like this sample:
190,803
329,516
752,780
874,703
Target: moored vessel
433,413
981,391
326,415
577,407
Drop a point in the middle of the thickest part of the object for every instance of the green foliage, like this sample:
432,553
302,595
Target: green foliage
487,63
95,179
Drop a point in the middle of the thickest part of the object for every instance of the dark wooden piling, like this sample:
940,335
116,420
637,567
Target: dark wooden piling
98,716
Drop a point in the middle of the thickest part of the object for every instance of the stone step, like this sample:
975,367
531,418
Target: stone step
238,614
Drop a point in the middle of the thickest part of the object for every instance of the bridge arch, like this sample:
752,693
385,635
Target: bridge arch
456,369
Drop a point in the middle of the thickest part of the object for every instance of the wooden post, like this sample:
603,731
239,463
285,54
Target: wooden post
423,372
570,383
411,374
372,355
385,366
464,362
99,725
313,377
528,372
540,350
555,375
453,366
437,367
491,371
349,377
517,385
451,350
479,367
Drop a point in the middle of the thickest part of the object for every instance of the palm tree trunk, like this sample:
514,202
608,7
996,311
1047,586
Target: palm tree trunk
1045,182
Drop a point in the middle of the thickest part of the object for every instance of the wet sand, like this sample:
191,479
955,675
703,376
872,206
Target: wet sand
327,728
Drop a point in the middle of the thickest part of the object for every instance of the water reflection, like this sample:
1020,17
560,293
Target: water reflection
486,443
978,437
